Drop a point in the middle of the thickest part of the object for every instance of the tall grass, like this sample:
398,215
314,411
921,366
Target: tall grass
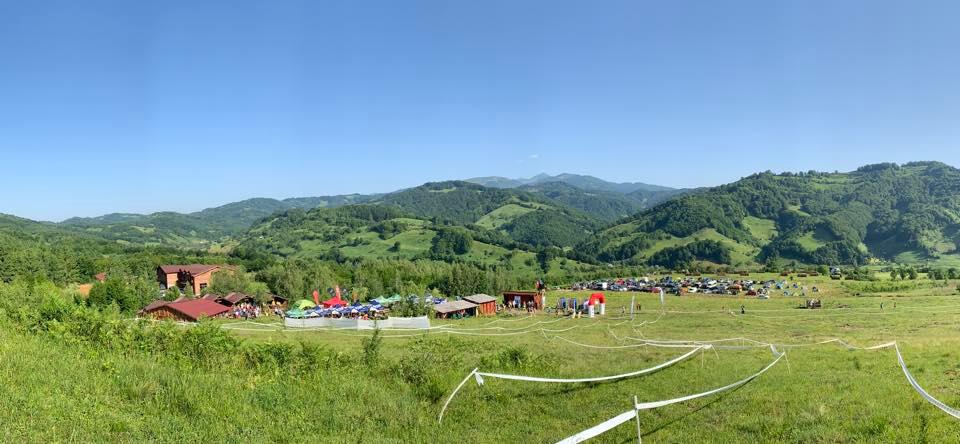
70,373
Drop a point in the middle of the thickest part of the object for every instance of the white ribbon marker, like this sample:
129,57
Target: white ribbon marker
627,416
936,402
479,376
595,379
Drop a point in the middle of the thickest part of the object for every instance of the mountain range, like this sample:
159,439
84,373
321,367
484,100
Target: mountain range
902,213
211,226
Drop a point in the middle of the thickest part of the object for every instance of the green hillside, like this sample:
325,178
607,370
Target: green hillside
883,211
548,212
456,201
201,229
608,201
29,248
382,231
607,206
528,218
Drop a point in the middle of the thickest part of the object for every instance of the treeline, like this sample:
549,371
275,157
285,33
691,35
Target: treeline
372,278
683,256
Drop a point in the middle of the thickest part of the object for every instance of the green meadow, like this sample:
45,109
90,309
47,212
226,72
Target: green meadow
69,374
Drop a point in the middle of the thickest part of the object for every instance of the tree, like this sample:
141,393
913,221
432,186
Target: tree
396,247
449,242
128,295
228,281
912,273
111,291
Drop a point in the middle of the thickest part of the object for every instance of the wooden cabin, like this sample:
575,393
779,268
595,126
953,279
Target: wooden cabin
188,311
524,299
452,309
486,304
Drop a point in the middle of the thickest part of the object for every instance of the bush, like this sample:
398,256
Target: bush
371,350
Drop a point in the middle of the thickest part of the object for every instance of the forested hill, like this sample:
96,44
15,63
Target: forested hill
29,248
528,218
607,206
549,213
199,229
616,198
358,232
902,213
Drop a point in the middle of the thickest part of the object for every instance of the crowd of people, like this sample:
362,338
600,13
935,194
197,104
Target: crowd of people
246,310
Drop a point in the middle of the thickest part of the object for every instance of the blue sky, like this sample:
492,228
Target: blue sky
180,105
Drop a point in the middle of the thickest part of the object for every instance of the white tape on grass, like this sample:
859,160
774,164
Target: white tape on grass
658,404
601,428
525,327
628,416
936,402
436,331
615,347
479,377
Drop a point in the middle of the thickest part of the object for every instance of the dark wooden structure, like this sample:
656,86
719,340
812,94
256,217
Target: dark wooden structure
455,308
525,298
188,310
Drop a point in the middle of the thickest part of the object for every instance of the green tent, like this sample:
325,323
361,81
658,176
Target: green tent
303,304
386,302
296,314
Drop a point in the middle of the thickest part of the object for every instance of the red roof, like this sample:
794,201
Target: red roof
154,305
101,277
197,308
194,269
234,298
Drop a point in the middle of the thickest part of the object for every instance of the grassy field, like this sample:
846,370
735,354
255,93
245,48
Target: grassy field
335,386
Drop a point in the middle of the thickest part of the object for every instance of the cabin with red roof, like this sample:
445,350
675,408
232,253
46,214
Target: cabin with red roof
190,310
197,276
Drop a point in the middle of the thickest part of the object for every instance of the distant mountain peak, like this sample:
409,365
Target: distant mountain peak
584,182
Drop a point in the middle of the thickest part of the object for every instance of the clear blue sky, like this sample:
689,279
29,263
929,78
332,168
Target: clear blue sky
135,106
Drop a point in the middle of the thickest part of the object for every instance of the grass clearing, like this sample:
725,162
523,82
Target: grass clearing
314,386
763,230
503,215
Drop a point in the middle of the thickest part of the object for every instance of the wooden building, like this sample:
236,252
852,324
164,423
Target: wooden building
455,308
486,304
196,276
236,298
189,311
524,299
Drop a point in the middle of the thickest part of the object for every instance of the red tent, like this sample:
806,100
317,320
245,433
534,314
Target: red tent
334,301
597,298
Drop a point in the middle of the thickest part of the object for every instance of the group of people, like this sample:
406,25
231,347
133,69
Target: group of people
246,310
514,306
